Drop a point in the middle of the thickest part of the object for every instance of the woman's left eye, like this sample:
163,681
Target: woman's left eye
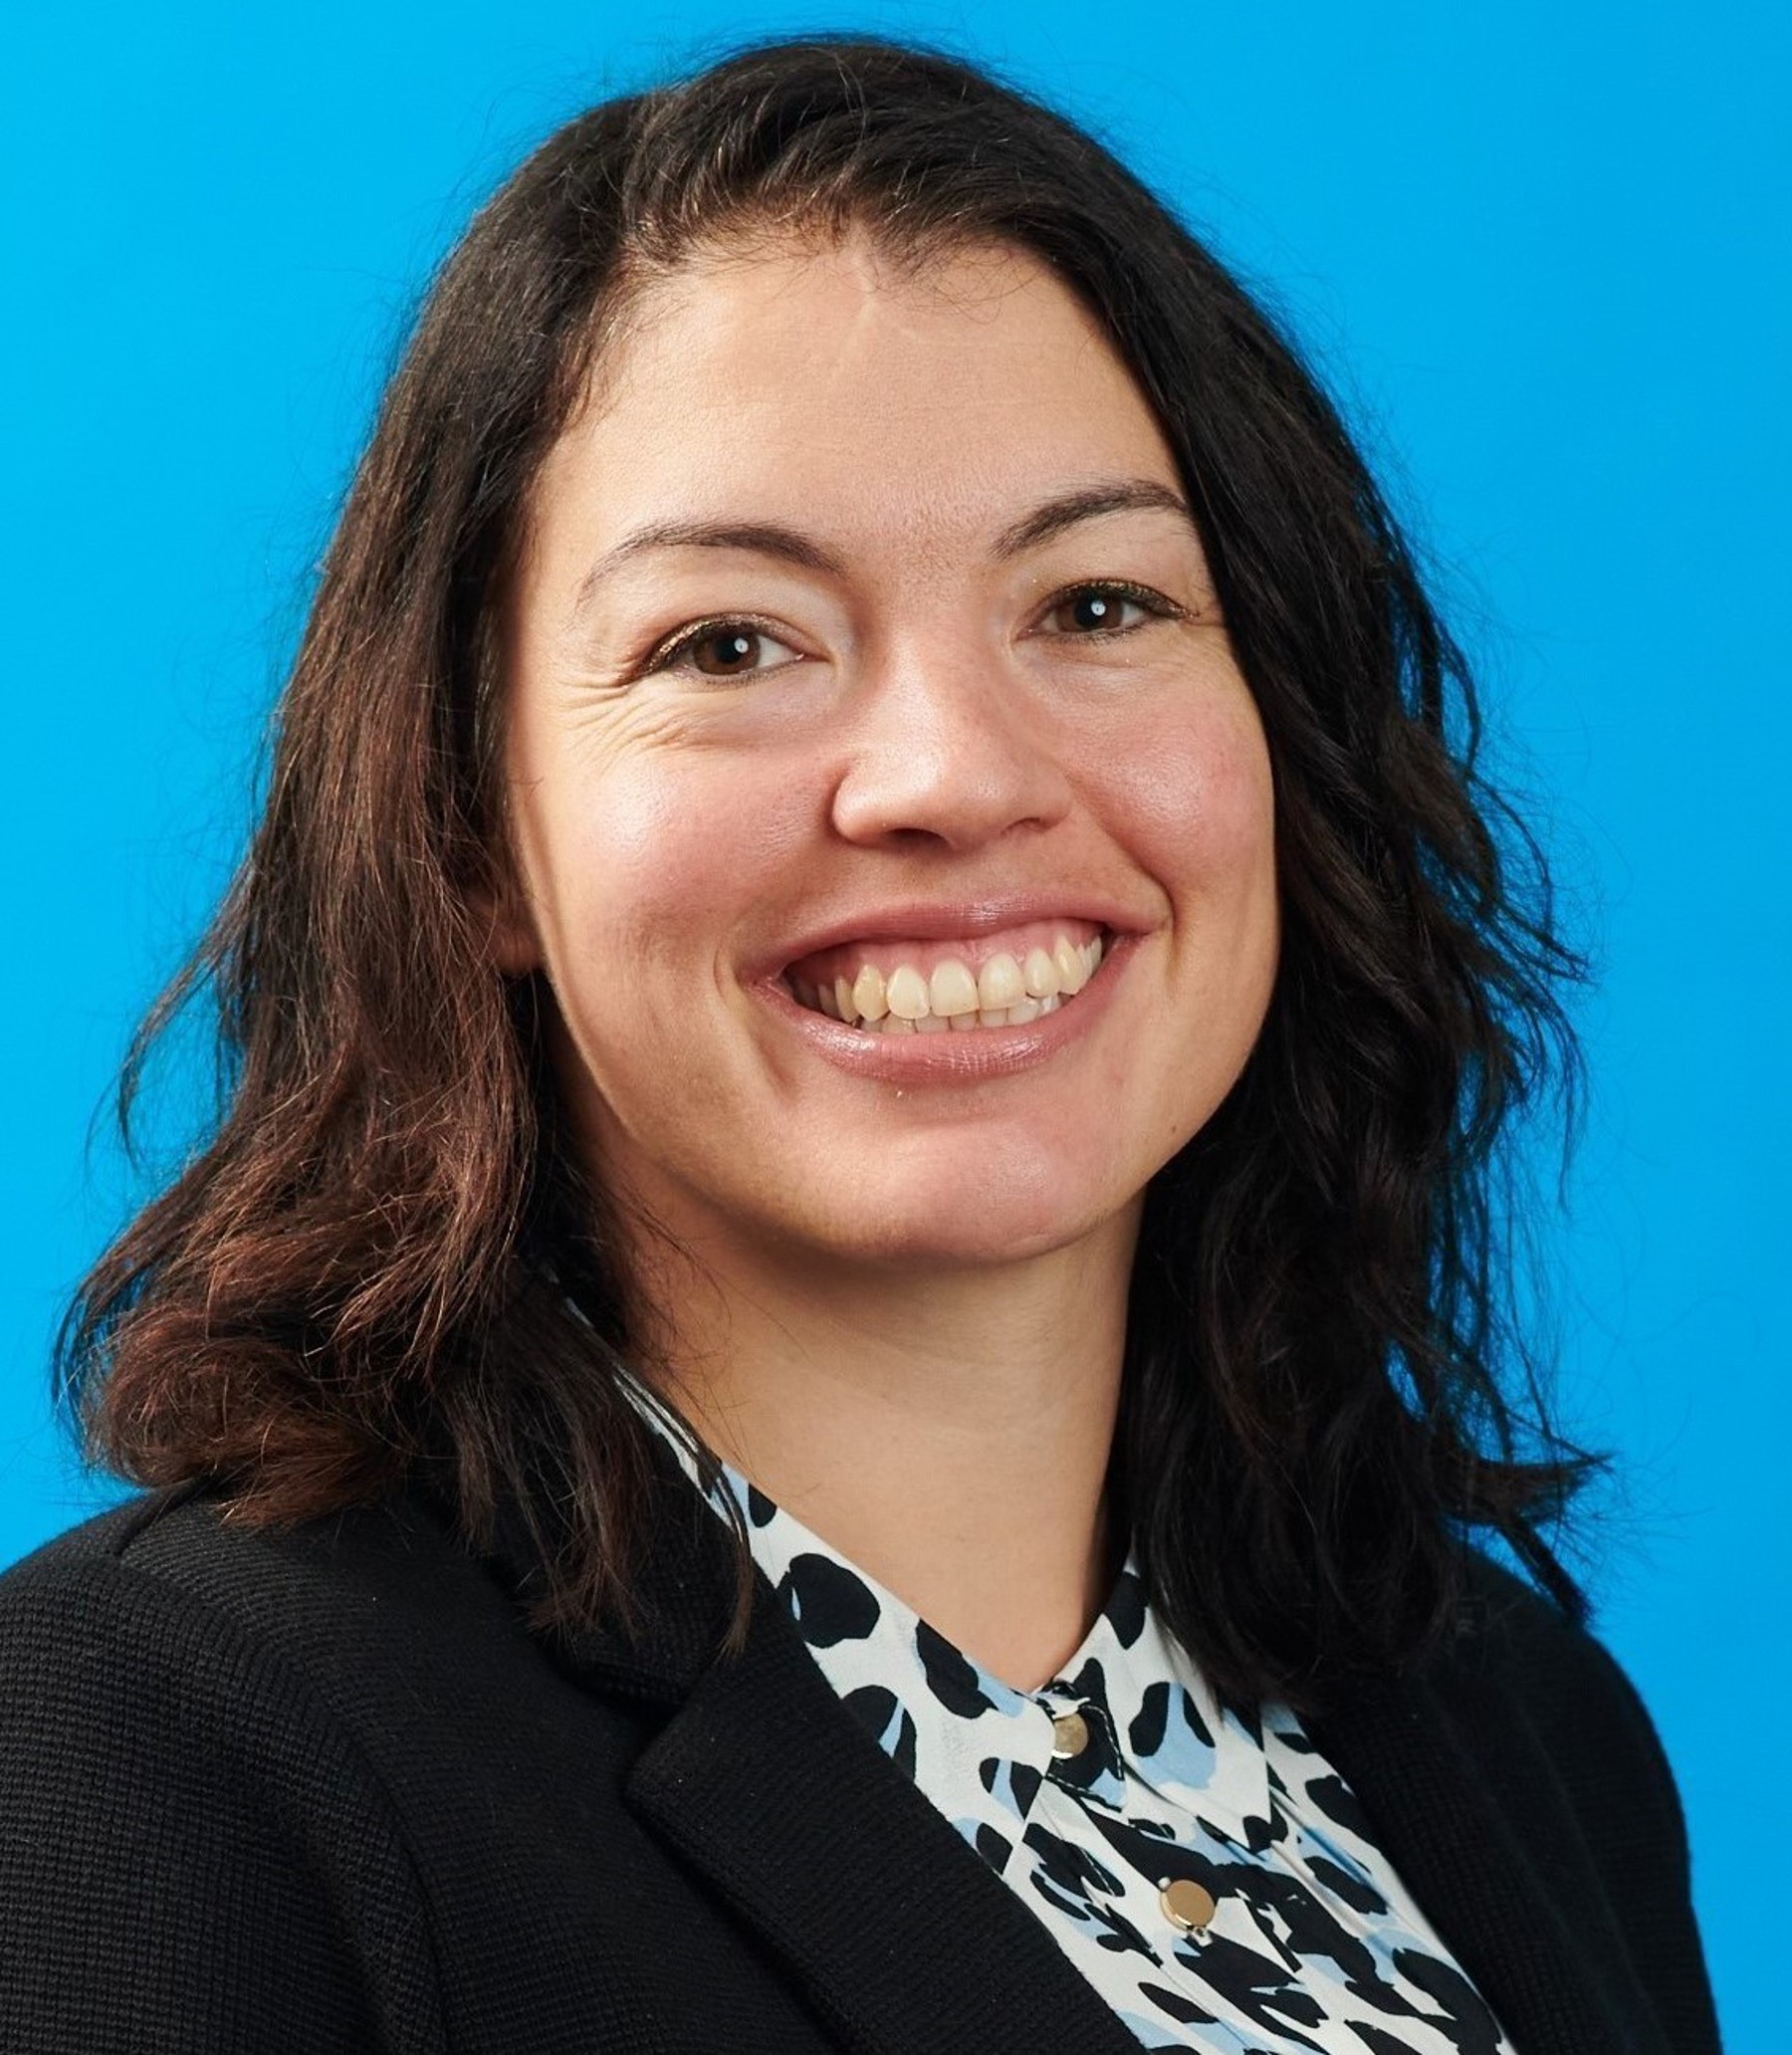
1087,611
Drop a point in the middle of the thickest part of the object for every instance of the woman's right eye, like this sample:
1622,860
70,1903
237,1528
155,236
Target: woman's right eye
720,649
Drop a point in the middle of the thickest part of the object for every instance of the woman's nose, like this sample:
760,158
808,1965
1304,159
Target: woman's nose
946,744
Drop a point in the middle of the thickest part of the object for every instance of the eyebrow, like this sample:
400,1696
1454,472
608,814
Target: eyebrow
792,545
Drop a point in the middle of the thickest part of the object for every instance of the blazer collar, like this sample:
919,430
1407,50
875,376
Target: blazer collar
908,1942
762,1782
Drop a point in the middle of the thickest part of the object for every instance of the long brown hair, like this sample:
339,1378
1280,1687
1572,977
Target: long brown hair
385,1260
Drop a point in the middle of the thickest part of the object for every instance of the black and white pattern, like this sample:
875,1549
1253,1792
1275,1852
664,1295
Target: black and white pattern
1314,1944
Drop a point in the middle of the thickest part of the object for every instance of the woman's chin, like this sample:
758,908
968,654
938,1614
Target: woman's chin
983,1224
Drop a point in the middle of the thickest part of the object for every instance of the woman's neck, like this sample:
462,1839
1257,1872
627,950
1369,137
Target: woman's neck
949,1434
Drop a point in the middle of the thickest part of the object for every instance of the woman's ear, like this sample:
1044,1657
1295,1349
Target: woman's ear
500,917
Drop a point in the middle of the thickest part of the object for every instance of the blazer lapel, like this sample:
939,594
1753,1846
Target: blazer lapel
762,1782
908,1942
1528,1920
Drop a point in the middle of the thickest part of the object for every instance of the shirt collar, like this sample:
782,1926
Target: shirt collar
1154,1725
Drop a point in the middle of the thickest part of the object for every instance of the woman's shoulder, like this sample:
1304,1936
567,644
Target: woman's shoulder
193,1809
1516,1779
1524,1716
1537,1691
1514,1635
376,1634
153,1590
367,1647
178,1552
339,1601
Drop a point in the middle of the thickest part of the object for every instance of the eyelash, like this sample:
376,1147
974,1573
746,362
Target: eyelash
1154,602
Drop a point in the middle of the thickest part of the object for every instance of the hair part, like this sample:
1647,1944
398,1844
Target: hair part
386,1262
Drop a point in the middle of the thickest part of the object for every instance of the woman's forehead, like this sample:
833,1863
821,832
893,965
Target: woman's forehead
829,385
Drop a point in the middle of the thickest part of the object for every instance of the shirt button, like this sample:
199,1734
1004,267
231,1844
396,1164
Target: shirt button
1069,1736
1186,1904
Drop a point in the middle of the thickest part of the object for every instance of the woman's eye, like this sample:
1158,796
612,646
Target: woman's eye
722,649
1102,609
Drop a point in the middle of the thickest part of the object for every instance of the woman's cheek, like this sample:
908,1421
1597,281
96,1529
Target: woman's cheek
1196,805
671,852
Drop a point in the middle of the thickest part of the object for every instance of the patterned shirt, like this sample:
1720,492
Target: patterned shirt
1205,1870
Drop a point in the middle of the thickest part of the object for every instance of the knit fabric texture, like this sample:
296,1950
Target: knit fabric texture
325,1789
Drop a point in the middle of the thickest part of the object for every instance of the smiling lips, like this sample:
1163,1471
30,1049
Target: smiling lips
929,988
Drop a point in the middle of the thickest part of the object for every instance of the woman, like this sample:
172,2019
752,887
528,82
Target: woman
831,1382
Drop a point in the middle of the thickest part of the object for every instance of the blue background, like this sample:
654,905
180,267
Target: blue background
1542,253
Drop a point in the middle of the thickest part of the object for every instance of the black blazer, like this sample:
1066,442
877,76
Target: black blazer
327,1791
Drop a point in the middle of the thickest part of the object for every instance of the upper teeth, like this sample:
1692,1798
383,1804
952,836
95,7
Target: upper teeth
1005,991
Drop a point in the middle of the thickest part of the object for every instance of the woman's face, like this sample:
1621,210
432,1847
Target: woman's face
863,655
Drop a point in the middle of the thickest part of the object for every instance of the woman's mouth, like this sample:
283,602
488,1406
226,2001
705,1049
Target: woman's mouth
1001,979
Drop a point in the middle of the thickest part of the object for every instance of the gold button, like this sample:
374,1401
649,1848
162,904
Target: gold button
1069,1736
1187,1904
